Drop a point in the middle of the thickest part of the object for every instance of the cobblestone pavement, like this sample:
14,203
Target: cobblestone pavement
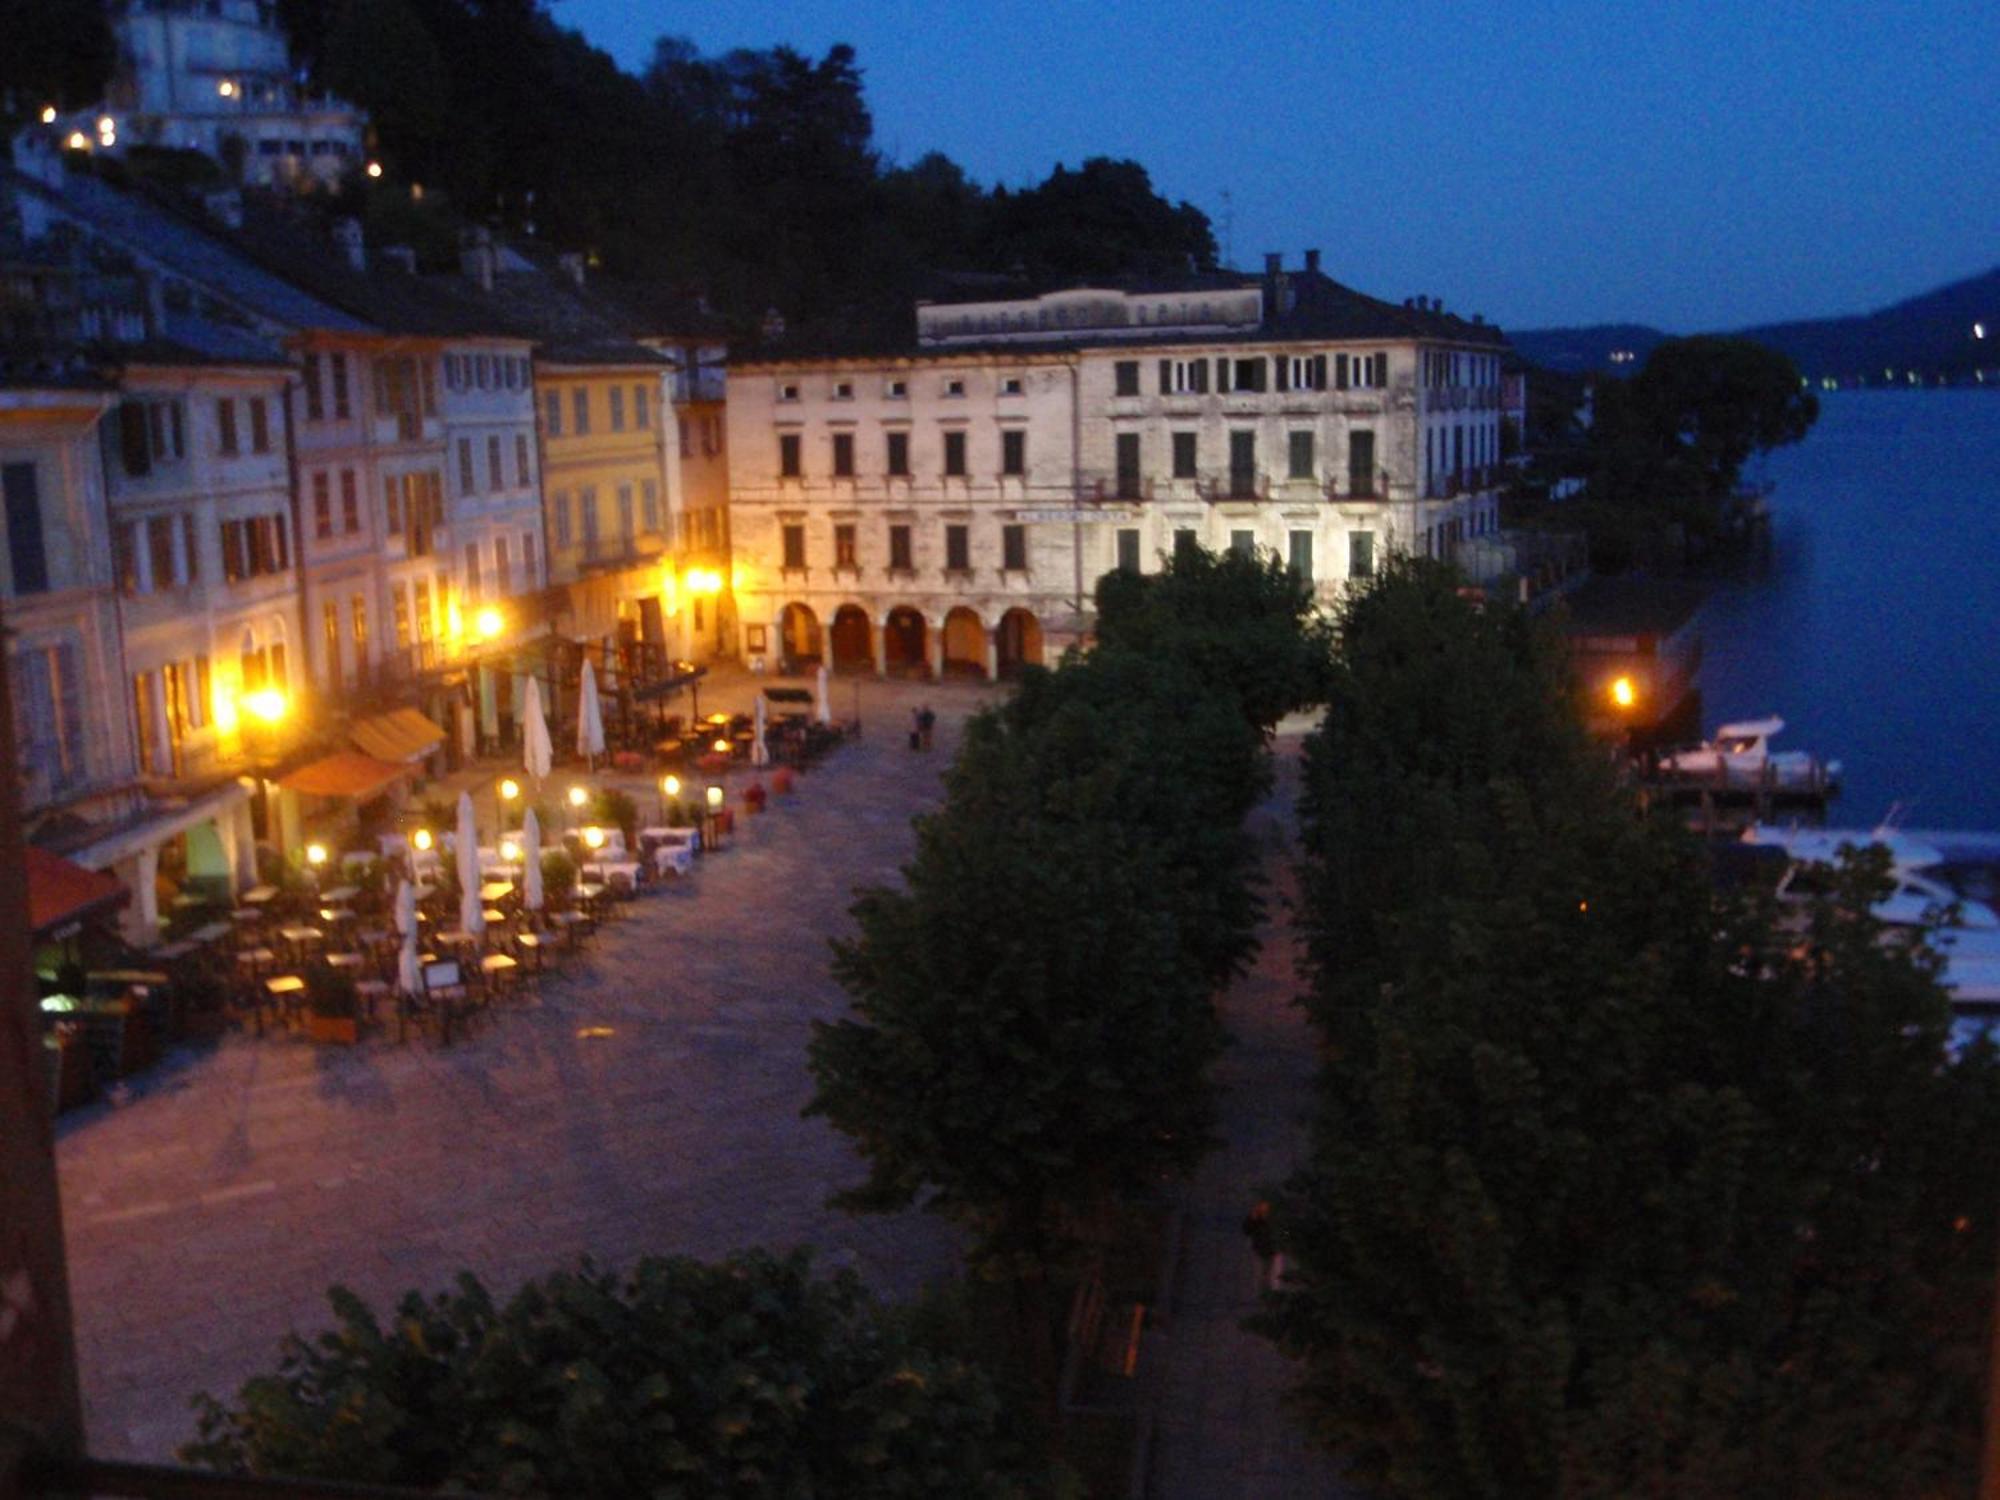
1220,1430
646,1101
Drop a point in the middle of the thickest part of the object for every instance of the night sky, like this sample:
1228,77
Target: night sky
1692,164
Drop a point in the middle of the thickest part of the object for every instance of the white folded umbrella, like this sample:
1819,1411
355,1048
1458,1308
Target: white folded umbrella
471,911
531,861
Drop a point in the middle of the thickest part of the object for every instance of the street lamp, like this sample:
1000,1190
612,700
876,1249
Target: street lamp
421,841
670,790
509,790
488,622
1623,693
593,837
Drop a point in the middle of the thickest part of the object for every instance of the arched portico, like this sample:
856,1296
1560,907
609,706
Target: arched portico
904,641
964,644
851,640
1018,641
799,635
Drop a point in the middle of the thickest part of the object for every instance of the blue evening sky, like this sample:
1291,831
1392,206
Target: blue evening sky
1689,163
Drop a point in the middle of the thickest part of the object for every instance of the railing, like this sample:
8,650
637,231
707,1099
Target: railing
47,1479
1353,486
1116,485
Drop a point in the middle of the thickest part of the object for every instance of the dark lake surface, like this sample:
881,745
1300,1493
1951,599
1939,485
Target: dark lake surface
1875,629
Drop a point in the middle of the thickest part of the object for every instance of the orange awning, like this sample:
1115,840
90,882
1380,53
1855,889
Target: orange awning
344,774
61,891
404,735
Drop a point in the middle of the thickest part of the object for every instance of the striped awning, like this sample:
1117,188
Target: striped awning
402,736
344,774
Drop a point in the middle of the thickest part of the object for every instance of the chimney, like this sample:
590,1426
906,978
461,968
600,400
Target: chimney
571,262
1312,262
347,239
477,257
225,207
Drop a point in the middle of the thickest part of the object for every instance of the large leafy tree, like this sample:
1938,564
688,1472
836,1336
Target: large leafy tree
750,1376
1244,623
1619,1186
1030,1034
1032,1022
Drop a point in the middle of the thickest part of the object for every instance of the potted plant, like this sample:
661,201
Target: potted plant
781,781
333,1008
558,876
754,797
617,810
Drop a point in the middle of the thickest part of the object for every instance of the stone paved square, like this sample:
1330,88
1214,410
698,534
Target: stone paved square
208,1209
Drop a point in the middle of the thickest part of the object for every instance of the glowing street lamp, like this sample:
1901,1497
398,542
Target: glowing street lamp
510,851
1623,693
510,791
374,169
315,854
77,141
266,705
720,747
670,790
715,798
422,841
48,114
489,623
227,88
593,838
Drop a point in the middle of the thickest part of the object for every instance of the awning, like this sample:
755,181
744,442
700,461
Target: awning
404,735
660,687
61,892
344,774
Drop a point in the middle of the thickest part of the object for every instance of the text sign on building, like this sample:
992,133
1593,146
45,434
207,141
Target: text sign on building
1076,515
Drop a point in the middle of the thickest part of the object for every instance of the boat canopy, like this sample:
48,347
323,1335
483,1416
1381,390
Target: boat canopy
1751,729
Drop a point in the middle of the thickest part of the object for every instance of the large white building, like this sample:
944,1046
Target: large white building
216,76
950,506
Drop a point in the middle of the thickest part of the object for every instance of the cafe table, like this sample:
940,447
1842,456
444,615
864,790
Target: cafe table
340,895
259,895
495,891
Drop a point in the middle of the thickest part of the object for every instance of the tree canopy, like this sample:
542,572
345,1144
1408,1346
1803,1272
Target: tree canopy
749,1376
1620,1184
1032,1024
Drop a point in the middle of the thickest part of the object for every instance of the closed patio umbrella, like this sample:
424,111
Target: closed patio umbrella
760,753
531,861
537,754
409,978
823,706
589,719
406,908
471,911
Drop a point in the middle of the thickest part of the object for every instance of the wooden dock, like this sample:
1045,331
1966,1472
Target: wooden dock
1724,800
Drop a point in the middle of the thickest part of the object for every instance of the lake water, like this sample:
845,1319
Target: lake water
1874,631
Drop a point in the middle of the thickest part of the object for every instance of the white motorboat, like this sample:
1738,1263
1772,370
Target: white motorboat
1740,755
1923,899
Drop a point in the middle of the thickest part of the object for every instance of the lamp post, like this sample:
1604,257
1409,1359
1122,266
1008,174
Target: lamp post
711,834
510,789
670,790
578,796
315,861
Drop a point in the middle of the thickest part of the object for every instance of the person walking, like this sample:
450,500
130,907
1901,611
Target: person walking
916,729
926,722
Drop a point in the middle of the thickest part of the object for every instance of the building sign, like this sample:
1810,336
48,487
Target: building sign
1126,514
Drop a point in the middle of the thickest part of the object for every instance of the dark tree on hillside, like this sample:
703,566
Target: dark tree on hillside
1103,219
56,52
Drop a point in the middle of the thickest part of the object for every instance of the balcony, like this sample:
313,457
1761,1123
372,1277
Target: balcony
1104,486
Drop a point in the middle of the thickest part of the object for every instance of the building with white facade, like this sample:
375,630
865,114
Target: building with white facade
216,76
949,506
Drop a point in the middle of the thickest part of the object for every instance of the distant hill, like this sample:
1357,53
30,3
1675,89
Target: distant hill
1931,334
